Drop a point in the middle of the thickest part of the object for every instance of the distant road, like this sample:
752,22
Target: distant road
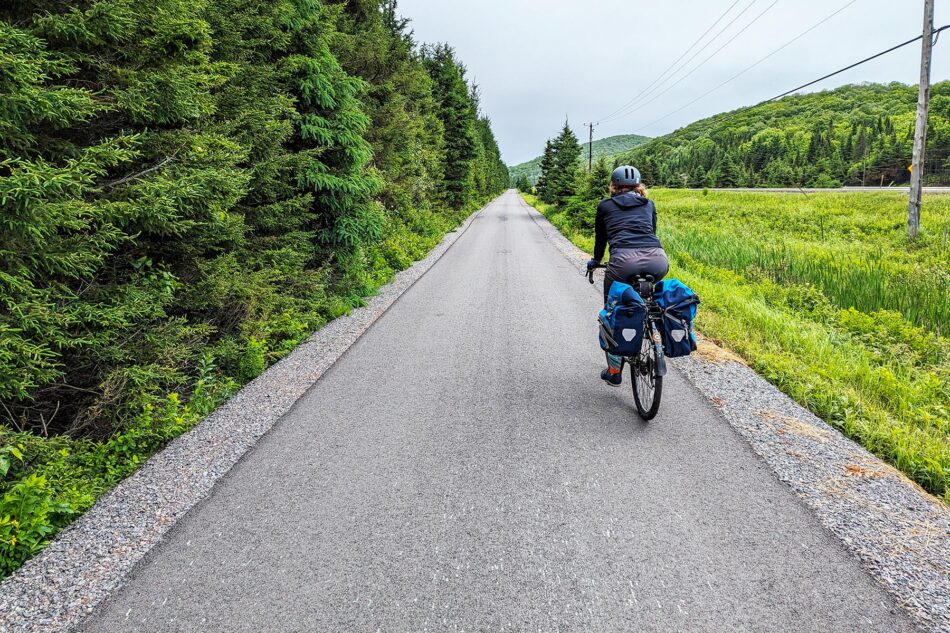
463,468
904,190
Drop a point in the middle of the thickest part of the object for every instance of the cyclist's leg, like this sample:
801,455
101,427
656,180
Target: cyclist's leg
609,279
614,363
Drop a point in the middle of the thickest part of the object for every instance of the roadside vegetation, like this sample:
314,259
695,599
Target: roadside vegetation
853,135
190,189
826,298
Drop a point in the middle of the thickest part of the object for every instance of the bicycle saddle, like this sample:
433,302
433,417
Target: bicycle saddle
643,284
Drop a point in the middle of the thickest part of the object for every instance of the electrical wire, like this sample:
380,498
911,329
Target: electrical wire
747,69
856,64
685,53
630,111
793,90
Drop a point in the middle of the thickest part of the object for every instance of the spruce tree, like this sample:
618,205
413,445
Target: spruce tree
567,152
458,117
597,182
127,191
548,160
495,173
405,132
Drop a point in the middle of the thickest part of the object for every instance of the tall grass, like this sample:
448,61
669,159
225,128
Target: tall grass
866,281
850,246
827,299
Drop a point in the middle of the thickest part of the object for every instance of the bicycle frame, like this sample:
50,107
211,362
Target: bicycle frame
652,330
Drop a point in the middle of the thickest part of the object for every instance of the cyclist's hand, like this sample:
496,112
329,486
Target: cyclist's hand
591,265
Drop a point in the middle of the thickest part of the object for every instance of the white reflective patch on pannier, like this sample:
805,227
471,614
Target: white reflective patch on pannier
629,335
678,335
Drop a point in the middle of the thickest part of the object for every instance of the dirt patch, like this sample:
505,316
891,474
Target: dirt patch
857,470
709,351
794,425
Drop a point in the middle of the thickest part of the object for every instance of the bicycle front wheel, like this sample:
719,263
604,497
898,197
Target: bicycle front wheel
647,385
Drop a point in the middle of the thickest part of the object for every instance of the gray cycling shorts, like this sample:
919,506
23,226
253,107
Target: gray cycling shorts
626,263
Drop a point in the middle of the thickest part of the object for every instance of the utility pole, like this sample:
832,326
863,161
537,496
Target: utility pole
590,149
920,135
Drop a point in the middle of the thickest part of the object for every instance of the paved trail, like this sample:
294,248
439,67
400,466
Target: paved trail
464,468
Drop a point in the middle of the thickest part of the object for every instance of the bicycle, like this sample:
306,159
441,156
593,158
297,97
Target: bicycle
648,368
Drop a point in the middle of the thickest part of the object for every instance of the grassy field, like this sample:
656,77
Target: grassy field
827,299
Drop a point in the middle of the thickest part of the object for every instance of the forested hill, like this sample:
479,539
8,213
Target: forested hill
607,148
189,189
857,134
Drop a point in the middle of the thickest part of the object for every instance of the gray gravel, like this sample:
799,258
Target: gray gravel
93,557
899,532
463,467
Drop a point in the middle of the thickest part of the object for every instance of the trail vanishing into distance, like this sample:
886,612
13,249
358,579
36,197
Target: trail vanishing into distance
462,468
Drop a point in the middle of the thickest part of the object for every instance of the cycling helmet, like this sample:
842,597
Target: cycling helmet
625,176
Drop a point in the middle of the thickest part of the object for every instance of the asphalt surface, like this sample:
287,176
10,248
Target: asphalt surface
463,468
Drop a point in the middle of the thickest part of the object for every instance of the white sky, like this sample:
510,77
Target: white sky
539,60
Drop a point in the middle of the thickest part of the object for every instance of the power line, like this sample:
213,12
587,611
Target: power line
793,90
658,83
700,65
685,53
856,64
748,68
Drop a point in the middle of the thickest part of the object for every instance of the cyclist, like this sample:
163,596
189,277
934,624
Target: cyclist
627,222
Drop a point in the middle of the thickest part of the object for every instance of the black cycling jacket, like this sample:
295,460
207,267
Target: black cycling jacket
627,221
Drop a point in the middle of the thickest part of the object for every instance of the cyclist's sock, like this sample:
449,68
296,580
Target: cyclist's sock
614,363
611,378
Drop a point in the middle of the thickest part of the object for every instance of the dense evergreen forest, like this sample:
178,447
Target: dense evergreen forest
606,148
854,135
189,188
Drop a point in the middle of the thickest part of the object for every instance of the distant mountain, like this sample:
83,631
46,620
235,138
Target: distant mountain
853,135
608,148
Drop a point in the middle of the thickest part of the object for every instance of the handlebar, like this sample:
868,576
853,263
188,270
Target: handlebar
590,272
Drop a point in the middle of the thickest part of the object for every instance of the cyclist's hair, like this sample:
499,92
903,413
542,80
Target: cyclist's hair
638,189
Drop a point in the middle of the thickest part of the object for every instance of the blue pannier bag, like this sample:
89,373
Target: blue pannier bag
679,305
621,321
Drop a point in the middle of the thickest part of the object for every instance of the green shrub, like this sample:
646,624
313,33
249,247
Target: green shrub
28,519
253,362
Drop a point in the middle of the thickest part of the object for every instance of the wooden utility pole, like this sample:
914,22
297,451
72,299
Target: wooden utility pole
920,135
590,149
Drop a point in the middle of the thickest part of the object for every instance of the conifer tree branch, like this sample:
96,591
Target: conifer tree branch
136,176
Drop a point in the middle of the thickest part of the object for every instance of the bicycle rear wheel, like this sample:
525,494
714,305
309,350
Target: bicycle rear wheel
647,385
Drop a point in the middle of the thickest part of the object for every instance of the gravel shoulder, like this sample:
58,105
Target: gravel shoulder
899,532
94,556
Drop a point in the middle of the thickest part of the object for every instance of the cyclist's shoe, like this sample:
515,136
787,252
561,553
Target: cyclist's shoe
611,378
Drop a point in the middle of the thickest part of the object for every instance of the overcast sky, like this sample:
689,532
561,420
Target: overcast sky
539,60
